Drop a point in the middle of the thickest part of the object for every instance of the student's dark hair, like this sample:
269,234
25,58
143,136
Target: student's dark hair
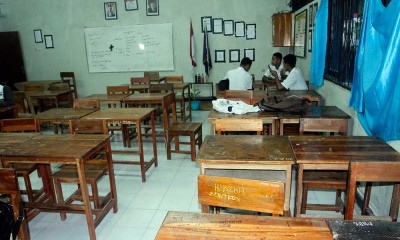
245,61
290,59
278,55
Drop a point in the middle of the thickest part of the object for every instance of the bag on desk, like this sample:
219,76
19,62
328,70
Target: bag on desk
293,104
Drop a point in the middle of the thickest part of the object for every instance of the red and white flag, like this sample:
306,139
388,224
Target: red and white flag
192,48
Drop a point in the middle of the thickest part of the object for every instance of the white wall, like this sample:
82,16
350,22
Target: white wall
66,19
334,95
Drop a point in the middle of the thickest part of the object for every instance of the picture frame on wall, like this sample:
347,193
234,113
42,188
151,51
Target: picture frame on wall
218,25
48,41
315,12
228,27
239,29
131,5
250,31
219,56
234,55
206,23
250,53
310,40
152,8
110,11
310,15
300,34
37,33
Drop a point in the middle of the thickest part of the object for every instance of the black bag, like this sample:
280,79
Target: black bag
291,104
223,85
7,223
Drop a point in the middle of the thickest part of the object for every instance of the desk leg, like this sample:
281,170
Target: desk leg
394,206
288,185
140,146
299,189
111,176
86,200
212,127
189,104
154,138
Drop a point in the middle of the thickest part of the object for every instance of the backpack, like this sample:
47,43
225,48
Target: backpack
7,223
288,104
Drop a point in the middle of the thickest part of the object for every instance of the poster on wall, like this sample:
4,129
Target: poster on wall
300,27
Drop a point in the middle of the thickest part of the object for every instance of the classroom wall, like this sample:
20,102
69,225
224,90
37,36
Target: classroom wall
66,19
334,95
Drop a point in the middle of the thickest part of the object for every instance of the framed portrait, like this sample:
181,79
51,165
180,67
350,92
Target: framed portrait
152,8
131,5
310,39
206,23
234,55
48,41
218,25
250,53
37,33
310,15
239,29
250,31
300,34
228,27
110,10
315,11
219,56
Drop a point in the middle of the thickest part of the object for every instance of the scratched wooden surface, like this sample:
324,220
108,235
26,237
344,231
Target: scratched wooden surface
246,149
360,230
185,225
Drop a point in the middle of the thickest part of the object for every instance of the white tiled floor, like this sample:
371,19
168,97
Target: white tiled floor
142,206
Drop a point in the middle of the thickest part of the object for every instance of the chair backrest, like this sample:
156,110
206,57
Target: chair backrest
21,101
169,107
323,125
69,77
20,125
86,103
238,125
60,86
117,89
33,87
239,95
174,79
80,126
154,76
223,85
140,80
368,172
161,87
246,194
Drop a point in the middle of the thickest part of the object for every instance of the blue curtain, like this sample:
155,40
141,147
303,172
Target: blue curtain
319,45
375,92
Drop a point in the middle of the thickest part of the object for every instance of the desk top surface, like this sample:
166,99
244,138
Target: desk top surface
186,225
142,86
146,96
122,114
60,148
48,93
341,150
9,140
246,149
107,97
64,113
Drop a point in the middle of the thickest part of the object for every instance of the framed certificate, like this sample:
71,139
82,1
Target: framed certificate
239,29
37,33
300,34
250,53
234,55
228,27
219,56
218,25
206,23
250,31
48,41
131,5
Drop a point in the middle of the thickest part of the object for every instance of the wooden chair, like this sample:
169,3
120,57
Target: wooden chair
140,80
224,125
24,169
9,185
154,76
30,87
323,179
173,79
178,97
246,194
95,168
239,95
174,129
161,87
69,77
373,172
86,103
23,104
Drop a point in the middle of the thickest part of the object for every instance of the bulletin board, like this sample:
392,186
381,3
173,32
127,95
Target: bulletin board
300,34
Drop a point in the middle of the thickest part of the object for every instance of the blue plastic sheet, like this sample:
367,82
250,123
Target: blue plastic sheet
375,92
319,42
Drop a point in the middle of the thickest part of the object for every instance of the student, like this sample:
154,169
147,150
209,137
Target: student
239,78
276,65
295,79
6,96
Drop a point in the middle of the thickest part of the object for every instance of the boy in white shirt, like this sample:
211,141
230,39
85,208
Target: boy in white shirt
276,65
239,78
295,79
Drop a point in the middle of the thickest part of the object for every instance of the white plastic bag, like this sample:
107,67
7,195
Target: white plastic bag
236,107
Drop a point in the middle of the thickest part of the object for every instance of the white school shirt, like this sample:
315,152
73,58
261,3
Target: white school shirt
295,80
268,72
239,79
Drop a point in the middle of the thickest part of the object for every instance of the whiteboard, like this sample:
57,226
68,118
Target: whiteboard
130,48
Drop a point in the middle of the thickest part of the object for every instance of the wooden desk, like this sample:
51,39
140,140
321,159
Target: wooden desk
335,153
8,140
52,95
134,116
145,98
46,84
267,117
356,230
48,149
186,225
248,152
109,98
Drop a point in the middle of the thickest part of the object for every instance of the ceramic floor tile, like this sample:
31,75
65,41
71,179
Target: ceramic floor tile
126,233
176,202
150,234
136,218
158,219
146,201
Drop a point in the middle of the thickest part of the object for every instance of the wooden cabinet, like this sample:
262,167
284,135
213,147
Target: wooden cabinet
282,30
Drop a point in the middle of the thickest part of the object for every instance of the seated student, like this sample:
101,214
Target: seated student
6,96
276,65
295,79
239,78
